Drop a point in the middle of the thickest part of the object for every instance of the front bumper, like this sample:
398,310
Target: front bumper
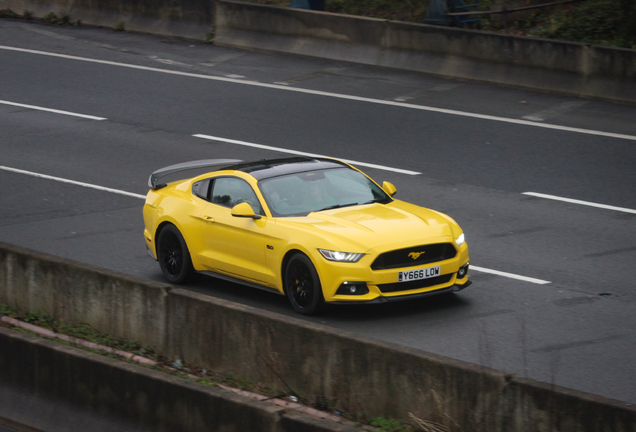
377,300
383,285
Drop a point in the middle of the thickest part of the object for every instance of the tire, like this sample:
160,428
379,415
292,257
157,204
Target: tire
302,285
174,257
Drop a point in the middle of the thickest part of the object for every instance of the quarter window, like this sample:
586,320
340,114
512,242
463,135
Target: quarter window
201,189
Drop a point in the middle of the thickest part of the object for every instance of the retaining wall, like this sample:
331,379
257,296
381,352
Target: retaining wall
358,374
47,386
548,65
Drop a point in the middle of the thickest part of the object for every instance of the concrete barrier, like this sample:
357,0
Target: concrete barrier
360,375
540,64
47,386
549,65
192,19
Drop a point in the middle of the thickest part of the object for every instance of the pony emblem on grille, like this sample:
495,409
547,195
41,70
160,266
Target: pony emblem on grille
416,255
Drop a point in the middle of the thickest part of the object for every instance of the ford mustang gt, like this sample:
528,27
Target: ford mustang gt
314,229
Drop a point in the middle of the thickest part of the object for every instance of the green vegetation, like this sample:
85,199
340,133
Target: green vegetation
51,18
599,22
119,26
399,10
390,425
8,13
209,36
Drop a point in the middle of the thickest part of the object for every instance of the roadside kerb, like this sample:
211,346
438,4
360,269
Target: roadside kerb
359,374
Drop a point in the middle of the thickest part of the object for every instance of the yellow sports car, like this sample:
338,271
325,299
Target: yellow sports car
317,230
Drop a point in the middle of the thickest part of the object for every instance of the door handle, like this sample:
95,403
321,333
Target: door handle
208,218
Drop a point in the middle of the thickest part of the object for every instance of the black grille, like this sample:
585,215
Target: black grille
413,256
418,284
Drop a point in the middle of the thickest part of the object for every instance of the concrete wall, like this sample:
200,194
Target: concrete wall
561,67
192,19
359,374
47,386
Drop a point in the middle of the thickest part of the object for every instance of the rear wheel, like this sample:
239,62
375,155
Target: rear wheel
173,255
302,285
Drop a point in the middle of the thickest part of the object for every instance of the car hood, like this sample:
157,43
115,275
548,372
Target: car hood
394,225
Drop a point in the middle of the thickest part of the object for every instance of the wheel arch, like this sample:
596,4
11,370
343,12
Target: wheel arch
162,225
285,261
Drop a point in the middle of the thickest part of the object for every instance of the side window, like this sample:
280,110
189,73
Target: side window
202,189
230,191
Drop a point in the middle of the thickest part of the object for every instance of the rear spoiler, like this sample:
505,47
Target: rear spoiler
207,163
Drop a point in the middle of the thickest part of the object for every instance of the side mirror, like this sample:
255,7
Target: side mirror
244,210
389,188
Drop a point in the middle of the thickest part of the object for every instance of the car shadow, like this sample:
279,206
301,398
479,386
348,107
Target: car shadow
432,306
426,306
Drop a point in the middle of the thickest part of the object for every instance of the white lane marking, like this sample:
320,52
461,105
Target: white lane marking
282,150
73,182
130,194
336,95
33,107
575,201
555,111
510,275
418,93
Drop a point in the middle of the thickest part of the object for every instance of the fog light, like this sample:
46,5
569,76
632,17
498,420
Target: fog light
353,288
463,271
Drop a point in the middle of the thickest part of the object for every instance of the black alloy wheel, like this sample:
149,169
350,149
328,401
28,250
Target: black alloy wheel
302,285
173,255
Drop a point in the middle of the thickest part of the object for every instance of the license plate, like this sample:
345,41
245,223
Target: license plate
423,273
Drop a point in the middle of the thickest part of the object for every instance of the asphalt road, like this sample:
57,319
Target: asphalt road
562,307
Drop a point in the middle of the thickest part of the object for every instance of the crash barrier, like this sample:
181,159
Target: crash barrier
563,67
548,65
47,386
353,373
192,19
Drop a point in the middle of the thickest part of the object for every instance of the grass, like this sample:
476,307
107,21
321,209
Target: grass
390,425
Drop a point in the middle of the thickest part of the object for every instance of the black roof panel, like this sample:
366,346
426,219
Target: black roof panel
268,168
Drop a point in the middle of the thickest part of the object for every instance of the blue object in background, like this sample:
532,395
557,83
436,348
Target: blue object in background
437,9
309,4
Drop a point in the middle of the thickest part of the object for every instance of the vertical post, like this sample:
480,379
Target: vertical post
505,14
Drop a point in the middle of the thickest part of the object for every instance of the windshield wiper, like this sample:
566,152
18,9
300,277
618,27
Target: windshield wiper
338,206
377,200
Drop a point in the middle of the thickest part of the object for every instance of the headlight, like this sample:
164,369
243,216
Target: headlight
460,240
341,256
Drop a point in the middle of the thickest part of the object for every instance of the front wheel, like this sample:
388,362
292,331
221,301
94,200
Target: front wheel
173,255
302,285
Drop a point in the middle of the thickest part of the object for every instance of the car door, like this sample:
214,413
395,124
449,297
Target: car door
235,246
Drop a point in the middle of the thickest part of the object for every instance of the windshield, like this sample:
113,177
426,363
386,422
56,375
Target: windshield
302,193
